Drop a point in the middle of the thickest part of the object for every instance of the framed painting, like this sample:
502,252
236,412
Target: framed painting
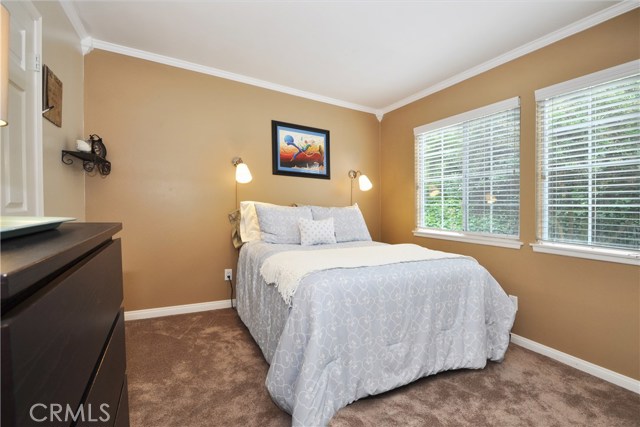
300,150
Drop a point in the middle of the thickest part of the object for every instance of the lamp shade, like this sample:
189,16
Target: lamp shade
4,65
364,183
243,174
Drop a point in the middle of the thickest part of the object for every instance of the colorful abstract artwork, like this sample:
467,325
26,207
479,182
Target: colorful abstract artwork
300,150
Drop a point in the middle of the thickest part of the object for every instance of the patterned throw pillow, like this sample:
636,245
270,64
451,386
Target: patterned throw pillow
349,222
279,224
319,232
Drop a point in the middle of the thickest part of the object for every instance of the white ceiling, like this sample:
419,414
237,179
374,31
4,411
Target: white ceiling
369,55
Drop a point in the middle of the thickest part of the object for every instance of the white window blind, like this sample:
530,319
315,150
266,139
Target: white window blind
589,160
468,172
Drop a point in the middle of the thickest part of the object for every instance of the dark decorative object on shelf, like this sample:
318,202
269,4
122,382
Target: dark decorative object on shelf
97,146
91,160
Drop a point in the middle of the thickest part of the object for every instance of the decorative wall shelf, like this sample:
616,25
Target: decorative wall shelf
90,161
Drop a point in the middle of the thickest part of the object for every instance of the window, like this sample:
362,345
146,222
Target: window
468,175
588,142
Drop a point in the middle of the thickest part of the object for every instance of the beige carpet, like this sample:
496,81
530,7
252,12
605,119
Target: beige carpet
204,369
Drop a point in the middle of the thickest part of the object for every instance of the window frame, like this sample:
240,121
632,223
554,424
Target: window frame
511,242
588,251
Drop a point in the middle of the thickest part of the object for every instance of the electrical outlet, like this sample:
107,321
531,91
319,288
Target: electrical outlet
228,274
514,300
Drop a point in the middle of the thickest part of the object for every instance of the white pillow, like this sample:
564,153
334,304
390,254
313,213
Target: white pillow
319,232
348,222
249,224
279,224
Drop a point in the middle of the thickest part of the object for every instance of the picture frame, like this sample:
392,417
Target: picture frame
301,151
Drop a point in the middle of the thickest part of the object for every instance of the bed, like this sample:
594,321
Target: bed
350,332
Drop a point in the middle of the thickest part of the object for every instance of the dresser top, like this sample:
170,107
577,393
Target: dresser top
26,260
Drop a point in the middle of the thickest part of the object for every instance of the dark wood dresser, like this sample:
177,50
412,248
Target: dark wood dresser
63,349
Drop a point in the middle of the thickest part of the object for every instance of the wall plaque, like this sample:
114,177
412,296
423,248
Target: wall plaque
51,97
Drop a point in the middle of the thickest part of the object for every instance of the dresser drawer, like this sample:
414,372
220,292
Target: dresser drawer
122,418
104,394
52,341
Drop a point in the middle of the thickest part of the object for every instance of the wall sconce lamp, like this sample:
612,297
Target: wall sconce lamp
4,65
363,182
243,174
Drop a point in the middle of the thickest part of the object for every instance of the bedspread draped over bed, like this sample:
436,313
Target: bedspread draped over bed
351,333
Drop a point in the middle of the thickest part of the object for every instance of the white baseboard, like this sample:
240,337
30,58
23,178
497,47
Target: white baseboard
582,365
176,309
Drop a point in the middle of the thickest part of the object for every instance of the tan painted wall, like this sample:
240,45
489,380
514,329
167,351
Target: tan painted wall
589,309
171,135
63,185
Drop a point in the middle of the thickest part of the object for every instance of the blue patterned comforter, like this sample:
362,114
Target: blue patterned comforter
356,332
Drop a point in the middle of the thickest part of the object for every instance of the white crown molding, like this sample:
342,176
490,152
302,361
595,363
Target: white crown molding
582,365
72,14
576,27
88,43
167,60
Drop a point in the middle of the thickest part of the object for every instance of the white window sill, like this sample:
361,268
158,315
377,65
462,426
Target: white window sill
600,254
469,238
